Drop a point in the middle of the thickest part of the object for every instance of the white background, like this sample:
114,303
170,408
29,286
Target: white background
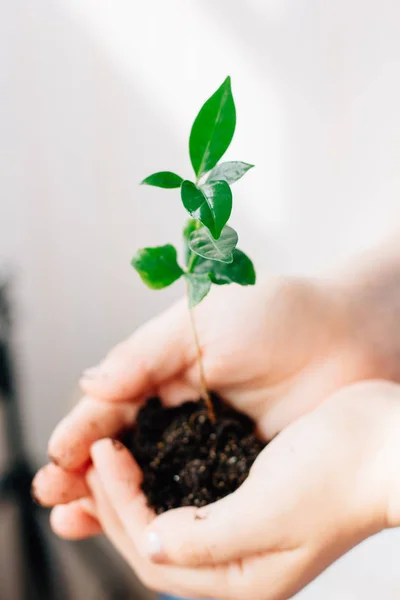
95,95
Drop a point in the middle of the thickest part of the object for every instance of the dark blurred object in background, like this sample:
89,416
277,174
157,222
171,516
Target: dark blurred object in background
33,564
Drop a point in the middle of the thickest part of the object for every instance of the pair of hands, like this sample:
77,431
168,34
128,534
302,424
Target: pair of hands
279,353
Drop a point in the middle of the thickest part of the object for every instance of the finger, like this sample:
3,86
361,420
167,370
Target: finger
52,485
105,512
121,477
177,391
156,352
184,582
111,522
275,575
74,522
117,534
227,530
89,421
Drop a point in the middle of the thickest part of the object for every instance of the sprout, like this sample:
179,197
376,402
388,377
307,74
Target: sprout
211,254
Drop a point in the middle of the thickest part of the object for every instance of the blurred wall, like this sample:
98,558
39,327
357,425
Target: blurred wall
95,95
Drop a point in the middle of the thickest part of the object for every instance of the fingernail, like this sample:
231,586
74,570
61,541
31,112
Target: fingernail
117,444
99,444
153,545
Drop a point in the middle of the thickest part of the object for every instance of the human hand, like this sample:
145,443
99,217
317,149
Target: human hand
320,487
273,352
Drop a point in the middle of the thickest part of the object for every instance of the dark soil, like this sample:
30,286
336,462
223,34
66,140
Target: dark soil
186,459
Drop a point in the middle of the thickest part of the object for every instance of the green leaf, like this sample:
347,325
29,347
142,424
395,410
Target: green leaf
229,171
163,179
191,225
158,267
196,204
219,198
210,204
240,271
198,287
201,242
213,129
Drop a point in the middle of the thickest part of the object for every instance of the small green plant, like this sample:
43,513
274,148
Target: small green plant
211,255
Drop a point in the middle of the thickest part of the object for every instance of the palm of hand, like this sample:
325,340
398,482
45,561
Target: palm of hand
272,351
330,468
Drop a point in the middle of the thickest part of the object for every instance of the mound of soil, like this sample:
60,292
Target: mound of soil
186,459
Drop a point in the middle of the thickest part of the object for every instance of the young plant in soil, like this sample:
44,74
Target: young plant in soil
200,451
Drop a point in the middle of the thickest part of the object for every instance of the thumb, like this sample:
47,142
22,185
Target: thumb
224,531
153,354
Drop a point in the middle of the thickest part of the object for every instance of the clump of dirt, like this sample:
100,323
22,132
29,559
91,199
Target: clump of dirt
188,460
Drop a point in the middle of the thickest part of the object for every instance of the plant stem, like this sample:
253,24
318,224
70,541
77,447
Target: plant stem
203,384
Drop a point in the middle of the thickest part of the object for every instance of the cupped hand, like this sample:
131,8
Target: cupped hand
273,351
320,487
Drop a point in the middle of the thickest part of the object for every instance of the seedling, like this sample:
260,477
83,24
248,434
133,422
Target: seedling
211,255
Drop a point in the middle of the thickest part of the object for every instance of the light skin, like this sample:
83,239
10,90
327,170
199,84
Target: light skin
277,352
334,467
